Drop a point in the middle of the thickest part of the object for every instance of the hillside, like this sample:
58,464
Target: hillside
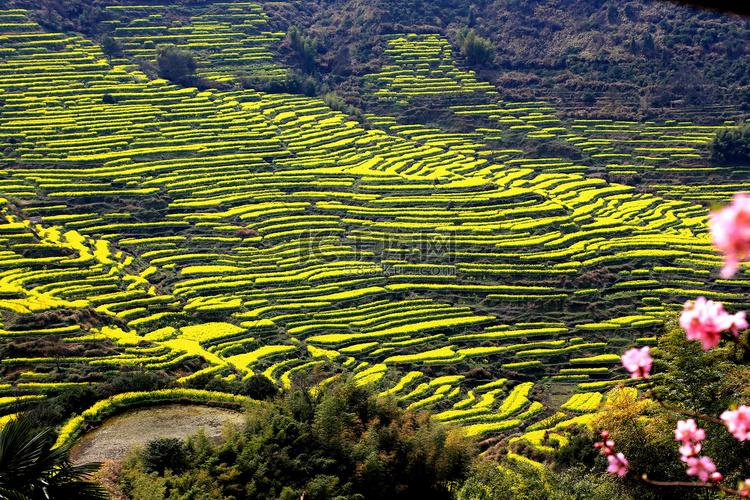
483,257
621,59
593,59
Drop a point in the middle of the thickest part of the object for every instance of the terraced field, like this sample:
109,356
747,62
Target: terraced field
422,66
239,233
232,39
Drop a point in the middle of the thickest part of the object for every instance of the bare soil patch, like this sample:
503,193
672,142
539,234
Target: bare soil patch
119,434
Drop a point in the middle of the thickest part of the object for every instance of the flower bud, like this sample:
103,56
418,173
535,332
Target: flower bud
598,445
611,444
605,434
716,476
607,451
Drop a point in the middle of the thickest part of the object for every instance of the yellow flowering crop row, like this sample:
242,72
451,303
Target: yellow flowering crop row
583,403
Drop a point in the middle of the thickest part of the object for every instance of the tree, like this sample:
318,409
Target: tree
732,145
648,46
477,50
643,432
31,469
175,64
305,47
613,14
259,387
695,384
165,453
110,47
707,382
632,45
472,17
630,12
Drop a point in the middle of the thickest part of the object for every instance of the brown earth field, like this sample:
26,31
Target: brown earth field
119,434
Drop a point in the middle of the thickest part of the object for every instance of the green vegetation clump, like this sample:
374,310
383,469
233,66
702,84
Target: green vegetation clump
732,145
342,442
477,50
522,481
305,47
164,453
687,379
175,64
110,47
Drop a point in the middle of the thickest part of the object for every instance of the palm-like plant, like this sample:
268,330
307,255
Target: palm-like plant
31,469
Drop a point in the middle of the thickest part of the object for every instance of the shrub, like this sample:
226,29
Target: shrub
165,453
110,47
732,145
477,50
259,387
305,47
175,64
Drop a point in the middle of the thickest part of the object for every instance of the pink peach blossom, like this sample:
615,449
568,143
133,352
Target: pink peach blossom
701,467
704,320
687,431
738,422
745,488
637,362
618,464
688,450
730,232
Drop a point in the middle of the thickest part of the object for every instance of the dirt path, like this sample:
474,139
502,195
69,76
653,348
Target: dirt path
117,435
